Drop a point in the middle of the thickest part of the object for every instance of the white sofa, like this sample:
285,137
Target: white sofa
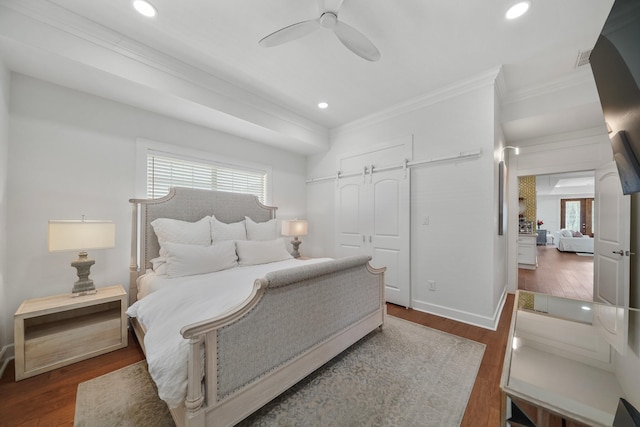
571,241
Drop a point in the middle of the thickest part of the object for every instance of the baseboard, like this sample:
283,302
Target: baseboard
486,322
6,355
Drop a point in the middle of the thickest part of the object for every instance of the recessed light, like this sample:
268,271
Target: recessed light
586,308
322,105
518,9
145,8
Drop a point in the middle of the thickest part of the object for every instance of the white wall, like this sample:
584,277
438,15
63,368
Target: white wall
459,197
5,319
71,154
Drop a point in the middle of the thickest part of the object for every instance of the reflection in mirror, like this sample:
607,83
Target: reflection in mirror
610,321
564,308
574,358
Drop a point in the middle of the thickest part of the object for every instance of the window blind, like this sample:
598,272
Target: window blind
164,172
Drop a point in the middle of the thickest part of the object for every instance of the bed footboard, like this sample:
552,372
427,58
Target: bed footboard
295,321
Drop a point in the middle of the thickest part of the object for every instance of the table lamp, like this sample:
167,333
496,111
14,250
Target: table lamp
73,235
295,227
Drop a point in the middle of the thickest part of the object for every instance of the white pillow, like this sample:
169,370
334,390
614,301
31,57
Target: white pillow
223,231
188,233
159,265
187,260
566,233
251,252
261,230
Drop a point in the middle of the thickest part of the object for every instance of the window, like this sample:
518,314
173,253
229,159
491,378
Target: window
165,171
577,215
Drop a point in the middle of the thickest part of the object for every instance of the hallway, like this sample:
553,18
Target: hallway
563,274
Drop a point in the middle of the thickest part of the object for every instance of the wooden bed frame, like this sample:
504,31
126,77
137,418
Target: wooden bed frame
296,319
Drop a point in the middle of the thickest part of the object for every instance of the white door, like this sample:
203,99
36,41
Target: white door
372,217
611,253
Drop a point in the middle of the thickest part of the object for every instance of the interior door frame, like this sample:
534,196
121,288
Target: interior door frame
513,173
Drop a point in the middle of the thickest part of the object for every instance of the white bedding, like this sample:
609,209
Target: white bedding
575,244
171,303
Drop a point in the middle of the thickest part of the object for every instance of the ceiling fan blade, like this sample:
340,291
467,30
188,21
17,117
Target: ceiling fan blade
290,33
329,6
356,42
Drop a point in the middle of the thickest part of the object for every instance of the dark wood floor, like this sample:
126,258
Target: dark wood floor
49,399
563,274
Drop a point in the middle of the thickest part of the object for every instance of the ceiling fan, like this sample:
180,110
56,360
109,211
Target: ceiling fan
351,38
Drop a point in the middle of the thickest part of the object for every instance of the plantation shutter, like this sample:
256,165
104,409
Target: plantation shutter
164,172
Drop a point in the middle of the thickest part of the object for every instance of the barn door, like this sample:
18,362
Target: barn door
373,218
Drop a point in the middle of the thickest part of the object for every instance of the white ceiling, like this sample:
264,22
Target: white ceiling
199,60
566,184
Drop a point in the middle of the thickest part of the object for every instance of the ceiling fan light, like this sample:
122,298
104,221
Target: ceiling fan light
145,8
518,9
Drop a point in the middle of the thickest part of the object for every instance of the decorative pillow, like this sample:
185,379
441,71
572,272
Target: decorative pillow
566,233
188,233
159,265
261,230
251,252
187,260
577,234
222,231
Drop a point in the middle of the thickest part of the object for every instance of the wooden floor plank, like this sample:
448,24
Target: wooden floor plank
563,274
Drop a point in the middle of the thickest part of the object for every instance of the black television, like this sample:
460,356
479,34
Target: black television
627,163
615,62
626,415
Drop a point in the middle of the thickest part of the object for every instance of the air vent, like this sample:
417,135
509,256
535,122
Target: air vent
583,58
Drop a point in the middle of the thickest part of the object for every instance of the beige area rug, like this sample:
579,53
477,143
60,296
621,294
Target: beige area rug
406,375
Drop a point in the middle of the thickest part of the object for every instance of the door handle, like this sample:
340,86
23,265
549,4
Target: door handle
620,252
627,253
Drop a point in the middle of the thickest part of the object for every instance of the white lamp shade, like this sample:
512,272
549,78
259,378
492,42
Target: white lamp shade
295,227
81,235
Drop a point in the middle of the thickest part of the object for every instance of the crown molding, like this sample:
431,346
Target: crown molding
501,86
576,137
581,76
477,81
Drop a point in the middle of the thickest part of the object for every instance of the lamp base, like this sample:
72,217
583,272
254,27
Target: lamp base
84,285
296,244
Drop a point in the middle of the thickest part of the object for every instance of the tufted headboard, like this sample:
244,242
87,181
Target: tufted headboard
186,204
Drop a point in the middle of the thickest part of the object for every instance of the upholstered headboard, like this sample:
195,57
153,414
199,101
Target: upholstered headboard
186,204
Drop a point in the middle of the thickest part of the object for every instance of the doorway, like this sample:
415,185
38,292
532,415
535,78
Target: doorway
561,201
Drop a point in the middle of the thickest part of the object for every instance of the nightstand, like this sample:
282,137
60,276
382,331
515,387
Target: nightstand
56,331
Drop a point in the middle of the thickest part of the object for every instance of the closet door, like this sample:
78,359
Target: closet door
351,217
372,217
389,235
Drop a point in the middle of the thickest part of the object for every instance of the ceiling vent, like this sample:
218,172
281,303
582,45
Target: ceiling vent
583,58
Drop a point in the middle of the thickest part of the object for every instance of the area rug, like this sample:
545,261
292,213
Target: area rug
583,254
405,375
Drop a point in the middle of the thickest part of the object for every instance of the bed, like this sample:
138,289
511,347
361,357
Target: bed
571,241
268,331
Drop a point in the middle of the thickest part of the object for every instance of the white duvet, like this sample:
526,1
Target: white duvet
170,304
